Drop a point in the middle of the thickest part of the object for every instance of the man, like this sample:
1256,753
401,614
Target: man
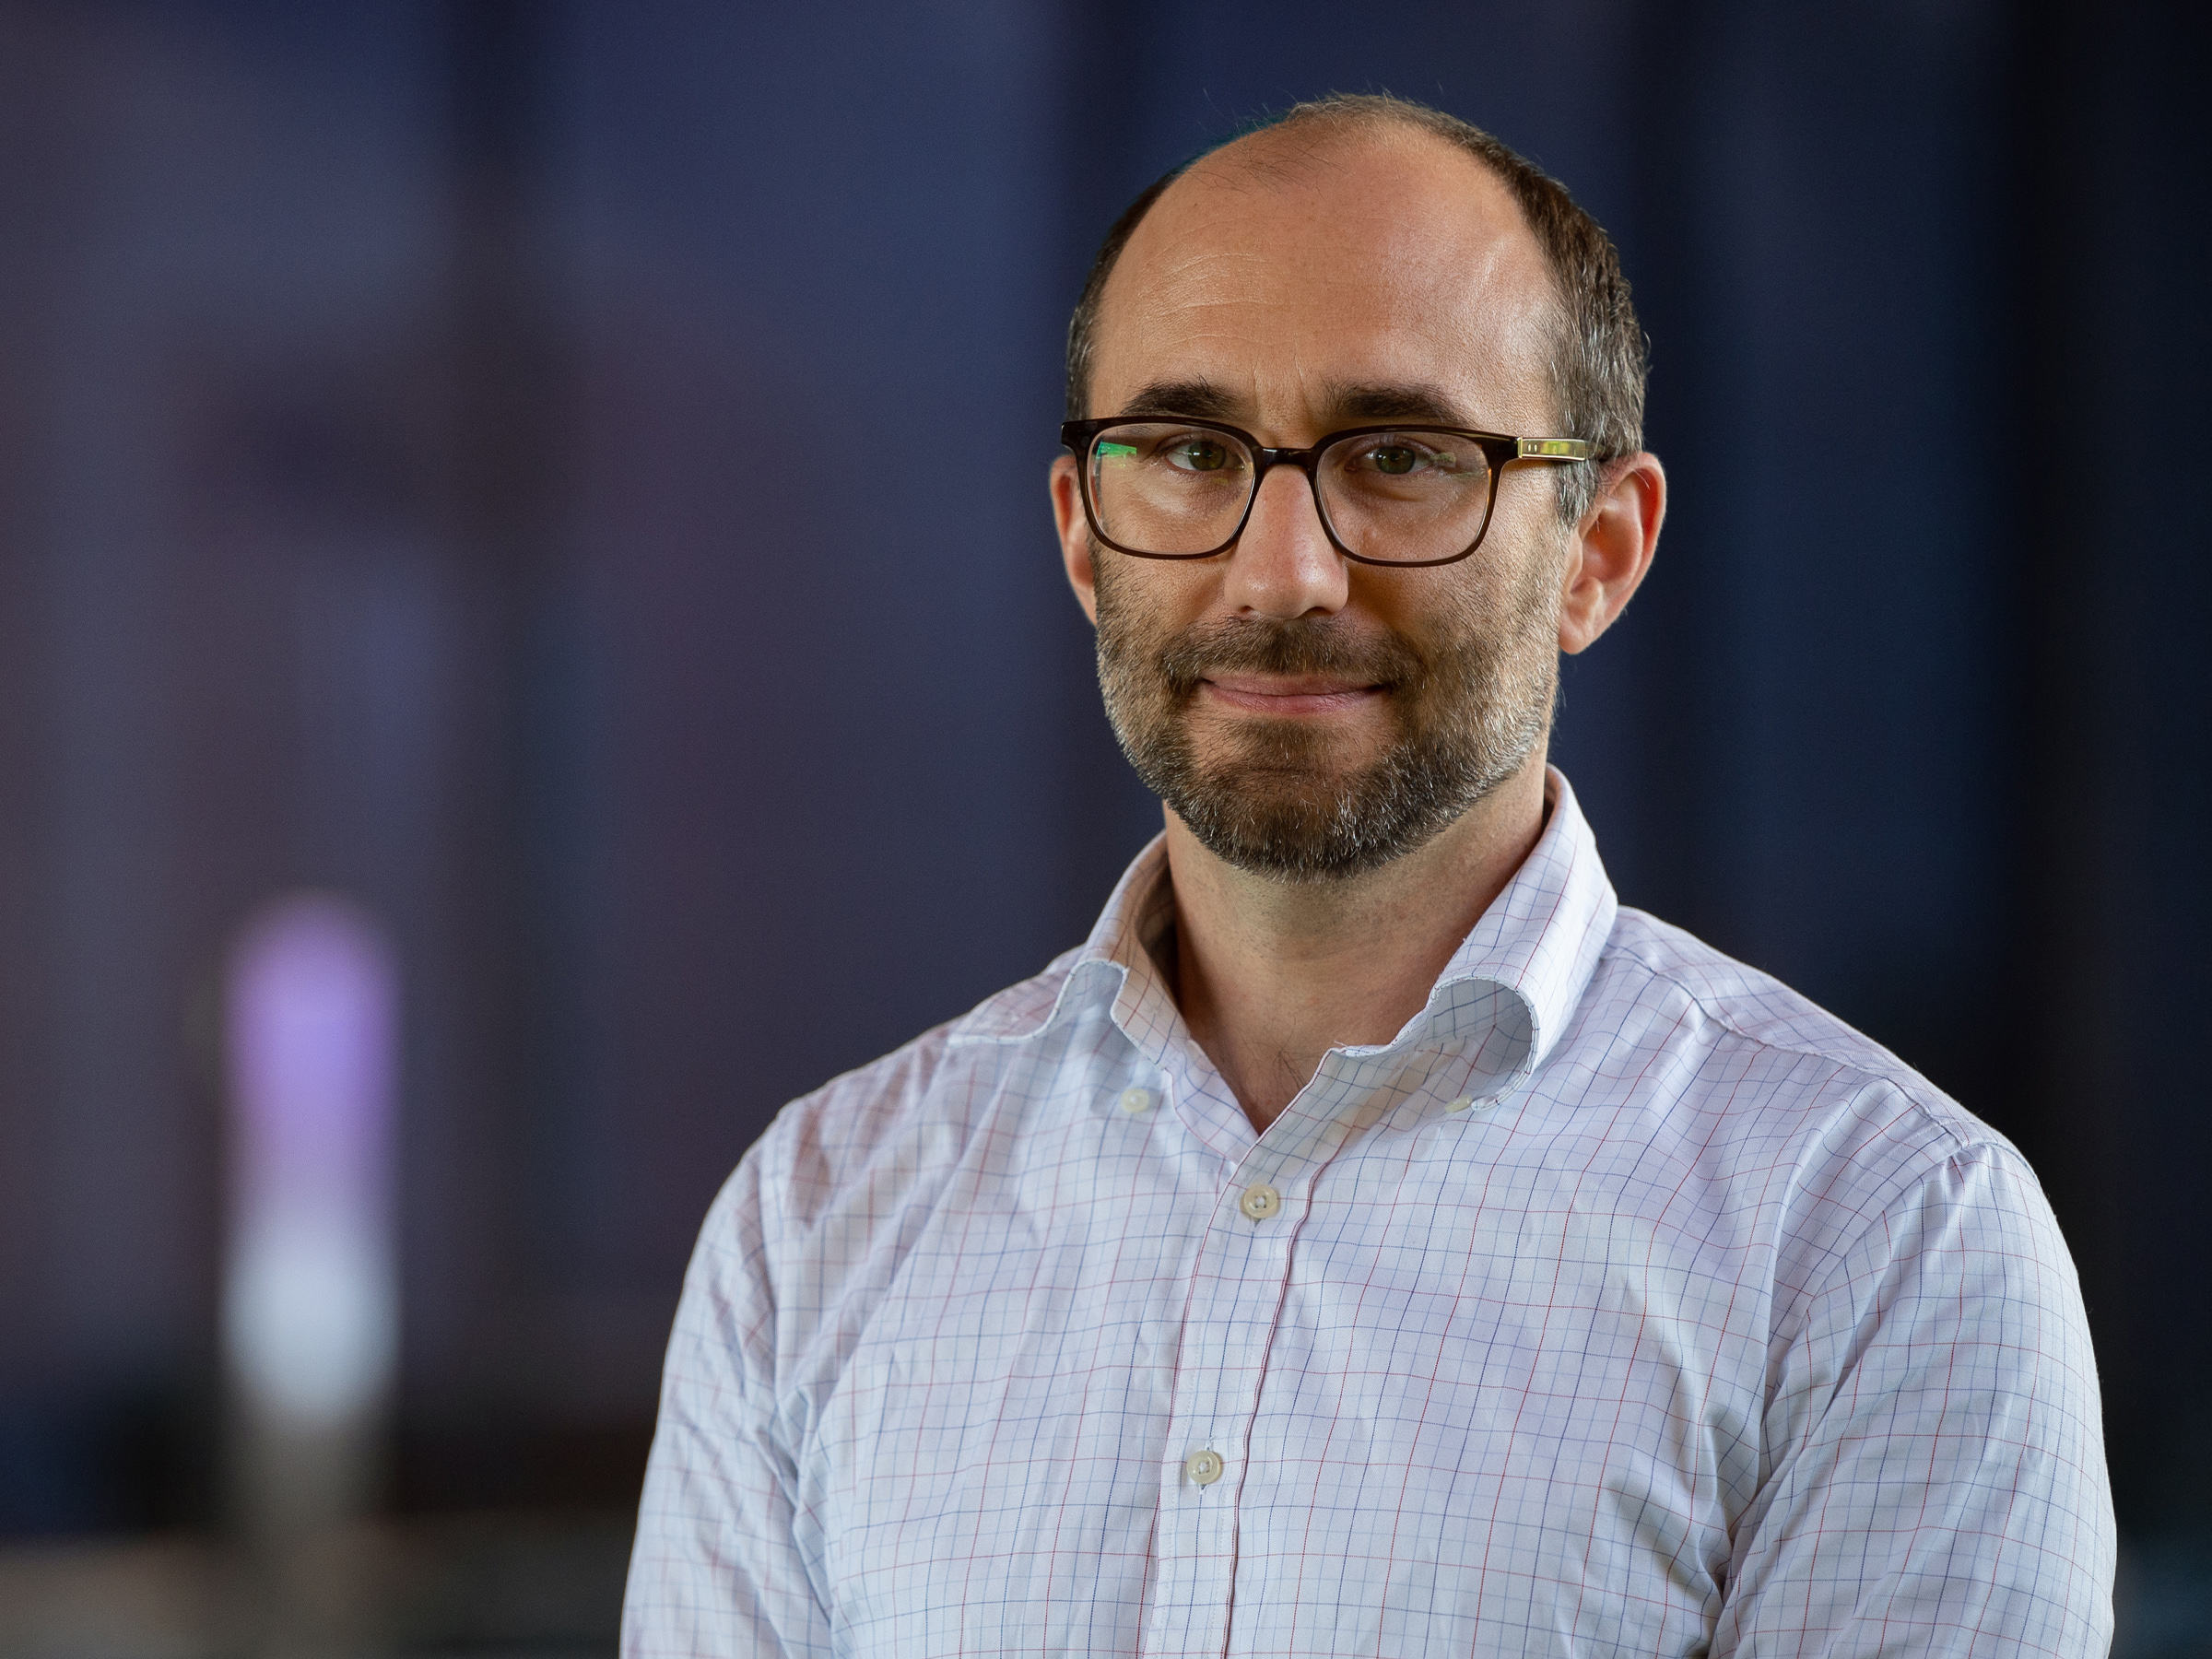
1374,1240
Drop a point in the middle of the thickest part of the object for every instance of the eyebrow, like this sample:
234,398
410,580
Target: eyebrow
1414,401
1342,405
1200,400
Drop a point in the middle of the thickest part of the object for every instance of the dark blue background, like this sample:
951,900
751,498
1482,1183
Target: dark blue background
572,476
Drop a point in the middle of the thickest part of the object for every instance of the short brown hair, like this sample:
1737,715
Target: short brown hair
1599,359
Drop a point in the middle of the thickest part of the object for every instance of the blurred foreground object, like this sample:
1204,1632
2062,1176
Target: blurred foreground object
309,1299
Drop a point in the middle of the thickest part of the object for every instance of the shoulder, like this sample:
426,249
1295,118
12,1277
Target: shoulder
1667,990
1770,1103
846,1171
905,1113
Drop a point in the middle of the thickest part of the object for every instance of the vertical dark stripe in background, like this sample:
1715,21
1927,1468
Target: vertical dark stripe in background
2104,962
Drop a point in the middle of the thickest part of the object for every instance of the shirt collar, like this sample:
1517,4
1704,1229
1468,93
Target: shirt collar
1506,995
1541,938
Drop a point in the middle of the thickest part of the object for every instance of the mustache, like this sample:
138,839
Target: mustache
1264,646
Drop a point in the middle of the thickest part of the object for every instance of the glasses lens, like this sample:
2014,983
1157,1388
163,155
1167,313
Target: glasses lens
1160,486
1407,497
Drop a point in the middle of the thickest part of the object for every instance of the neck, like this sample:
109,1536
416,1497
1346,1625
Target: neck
1272,974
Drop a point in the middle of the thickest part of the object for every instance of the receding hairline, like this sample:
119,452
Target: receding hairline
1601,358
1291,154
1288,153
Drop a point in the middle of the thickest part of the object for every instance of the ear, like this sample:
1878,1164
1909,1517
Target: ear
1074,535
1613,548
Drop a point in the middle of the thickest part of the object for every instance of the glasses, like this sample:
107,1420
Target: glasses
1387,495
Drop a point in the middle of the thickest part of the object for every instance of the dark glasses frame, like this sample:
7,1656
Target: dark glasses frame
1081,437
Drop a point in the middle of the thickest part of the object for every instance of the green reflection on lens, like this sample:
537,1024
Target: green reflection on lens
1117,448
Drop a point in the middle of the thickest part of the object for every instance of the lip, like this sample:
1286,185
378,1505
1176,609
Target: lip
1290,696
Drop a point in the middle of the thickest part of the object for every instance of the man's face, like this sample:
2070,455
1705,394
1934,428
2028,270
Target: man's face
1305,715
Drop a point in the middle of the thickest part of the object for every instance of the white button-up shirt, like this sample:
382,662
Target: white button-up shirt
1625,1303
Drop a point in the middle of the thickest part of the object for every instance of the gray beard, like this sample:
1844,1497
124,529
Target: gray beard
1469,713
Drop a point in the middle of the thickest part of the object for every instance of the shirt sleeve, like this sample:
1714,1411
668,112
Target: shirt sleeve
715,1570
1934,1478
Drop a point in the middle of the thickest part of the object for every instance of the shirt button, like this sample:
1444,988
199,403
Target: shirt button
1460,1104
1134,1100
1259,1203
1204,1467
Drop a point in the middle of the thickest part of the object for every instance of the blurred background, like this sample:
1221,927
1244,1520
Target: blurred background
530,634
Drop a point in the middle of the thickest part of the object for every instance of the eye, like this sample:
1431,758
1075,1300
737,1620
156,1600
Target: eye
1414,458
1199,453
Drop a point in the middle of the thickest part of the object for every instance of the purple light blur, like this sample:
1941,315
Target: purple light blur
309,1315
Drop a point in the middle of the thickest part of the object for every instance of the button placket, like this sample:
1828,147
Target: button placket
1241,1276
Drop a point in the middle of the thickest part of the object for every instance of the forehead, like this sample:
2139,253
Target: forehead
1283,268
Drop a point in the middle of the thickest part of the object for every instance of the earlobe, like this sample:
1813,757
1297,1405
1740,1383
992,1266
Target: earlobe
1074,535
1613,550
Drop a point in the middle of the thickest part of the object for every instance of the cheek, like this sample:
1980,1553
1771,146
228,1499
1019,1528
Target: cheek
1519,589
1501,608
1128,629
1437,609
1152,598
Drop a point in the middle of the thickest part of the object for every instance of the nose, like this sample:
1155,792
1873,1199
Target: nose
1283,565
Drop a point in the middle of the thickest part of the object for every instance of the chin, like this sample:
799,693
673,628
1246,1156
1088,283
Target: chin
1318,761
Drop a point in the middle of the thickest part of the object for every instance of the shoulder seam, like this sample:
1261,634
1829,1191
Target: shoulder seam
1909,1084
1905,1185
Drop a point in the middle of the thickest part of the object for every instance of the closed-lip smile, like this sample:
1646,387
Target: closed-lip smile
1290,695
